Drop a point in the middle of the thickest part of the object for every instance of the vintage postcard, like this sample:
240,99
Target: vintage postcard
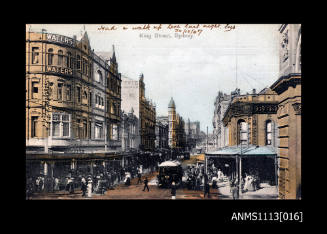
163,111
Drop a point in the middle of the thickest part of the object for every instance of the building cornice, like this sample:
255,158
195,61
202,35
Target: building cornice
284,82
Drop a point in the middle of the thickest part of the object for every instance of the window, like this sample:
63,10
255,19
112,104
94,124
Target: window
269,132
59,91
85,128
85,95
115,132
34,126
69,60
68,92
90,98
98,130
78,64
35,89
78,94
99,77
60,57
50,56
35,55
55,124
65,122
243,132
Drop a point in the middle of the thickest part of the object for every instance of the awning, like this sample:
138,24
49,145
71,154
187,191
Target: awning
250,150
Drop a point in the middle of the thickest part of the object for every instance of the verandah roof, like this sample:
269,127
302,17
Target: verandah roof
250,150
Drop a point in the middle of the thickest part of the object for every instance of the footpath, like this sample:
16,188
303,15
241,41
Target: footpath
266,192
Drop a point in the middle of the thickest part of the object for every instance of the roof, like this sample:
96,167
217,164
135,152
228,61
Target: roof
252,150
170,164
105,55
171,103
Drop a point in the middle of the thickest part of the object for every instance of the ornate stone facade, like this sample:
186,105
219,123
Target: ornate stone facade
288,88
65,96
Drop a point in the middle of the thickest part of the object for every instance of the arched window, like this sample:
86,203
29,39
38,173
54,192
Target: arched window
50,56
270,133
99,76
60,57
69,60
243,133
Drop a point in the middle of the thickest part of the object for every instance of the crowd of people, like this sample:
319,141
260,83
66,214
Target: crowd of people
195,177
98,182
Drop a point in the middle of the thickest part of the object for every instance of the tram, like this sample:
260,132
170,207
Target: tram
170,171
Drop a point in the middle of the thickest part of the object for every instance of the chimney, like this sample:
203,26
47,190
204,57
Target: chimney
253,91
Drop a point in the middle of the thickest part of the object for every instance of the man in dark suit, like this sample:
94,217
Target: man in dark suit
146,184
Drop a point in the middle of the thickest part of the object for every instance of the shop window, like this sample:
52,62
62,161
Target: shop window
50,56
60,57
35,55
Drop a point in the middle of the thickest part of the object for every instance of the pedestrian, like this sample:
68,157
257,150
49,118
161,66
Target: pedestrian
56,181
83,186
41,184
207,189
234,190
89,187
37,184
139,178
146,184
173,190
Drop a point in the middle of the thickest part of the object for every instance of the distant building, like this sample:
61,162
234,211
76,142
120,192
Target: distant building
133,96
192,132
161,132
176,135
220,132
129,127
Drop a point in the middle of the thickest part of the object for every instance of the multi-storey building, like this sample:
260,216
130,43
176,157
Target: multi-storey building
67,85
129,127
133,96
288,88
176,132
161,132
220,132
192,133
252,120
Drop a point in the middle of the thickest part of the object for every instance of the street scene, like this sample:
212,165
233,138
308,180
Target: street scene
163,112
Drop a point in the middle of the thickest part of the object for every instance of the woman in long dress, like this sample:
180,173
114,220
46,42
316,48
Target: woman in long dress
89,188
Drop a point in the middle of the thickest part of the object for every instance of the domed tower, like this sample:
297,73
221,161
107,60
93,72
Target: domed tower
172,123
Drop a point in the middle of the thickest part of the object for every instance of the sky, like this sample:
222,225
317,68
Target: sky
191,70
